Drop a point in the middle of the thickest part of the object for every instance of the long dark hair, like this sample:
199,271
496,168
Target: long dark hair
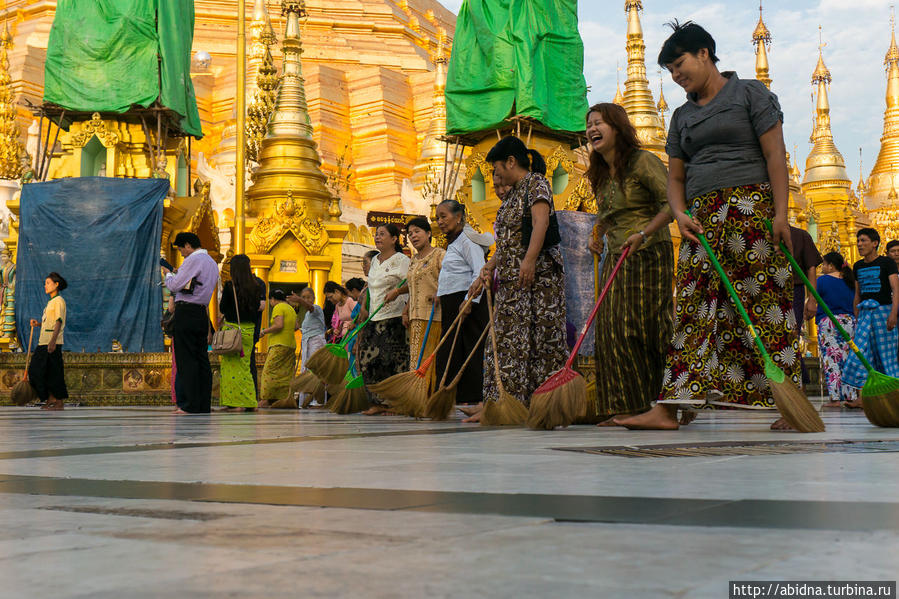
836,260
514,147
243,280
625,143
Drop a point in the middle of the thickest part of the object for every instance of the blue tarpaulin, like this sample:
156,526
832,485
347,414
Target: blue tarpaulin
576,228
102,235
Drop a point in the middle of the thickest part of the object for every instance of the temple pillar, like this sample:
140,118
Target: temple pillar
319,271
261,265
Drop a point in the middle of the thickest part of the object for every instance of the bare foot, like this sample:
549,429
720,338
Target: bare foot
471,410
781,424
660,418
833,404
687,416
610,421
853,405
374,411
54,405
263,403
180,412
473,418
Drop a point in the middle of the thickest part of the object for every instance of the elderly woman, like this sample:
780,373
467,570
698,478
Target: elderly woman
633,327
529,318
424,271
383,351
727,165
280,362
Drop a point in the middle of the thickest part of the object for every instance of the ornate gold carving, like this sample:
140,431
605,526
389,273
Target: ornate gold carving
556,158
830,242
96,126
582,198
10,147
290,215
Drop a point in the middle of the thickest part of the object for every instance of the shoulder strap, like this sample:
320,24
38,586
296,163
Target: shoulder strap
236,309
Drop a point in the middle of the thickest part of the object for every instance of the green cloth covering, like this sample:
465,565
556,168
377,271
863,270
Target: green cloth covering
516,57
103,55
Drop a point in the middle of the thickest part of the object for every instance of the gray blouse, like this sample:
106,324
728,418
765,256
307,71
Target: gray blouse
719,142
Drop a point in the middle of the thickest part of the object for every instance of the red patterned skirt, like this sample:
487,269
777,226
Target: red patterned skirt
712,358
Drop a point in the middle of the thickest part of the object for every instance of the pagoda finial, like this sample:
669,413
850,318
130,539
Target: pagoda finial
291,115
824,162
265,91
637,99
619,98
662,105
10,145
761,39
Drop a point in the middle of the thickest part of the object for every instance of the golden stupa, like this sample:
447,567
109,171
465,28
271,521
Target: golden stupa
637,99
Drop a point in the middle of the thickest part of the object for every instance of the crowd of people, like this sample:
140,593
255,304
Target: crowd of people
658,351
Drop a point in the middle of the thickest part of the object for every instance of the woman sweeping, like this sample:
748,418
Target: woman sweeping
836,286
343,308
384,351
46,373
529,320
237,393
280,362
461,267
424,271
727,164
633,327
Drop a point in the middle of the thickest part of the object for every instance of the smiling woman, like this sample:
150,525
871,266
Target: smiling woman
727,164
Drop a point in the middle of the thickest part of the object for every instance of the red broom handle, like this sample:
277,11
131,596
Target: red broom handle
602,296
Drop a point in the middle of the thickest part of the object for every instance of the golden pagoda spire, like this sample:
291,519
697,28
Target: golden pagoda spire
10,145
882,178
886,216
619,98
433,151
662,105
761,39
637,99
264,93
288,160
824,162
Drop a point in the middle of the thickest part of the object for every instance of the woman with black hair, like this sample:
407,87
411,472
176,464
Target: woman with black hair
529,318
236,389
344,305
45,372
633,327
461,267
727,165
424,270
384,351
836,286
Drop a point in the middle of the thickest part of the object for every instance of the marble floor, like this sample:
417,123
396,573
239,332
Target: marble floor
135,502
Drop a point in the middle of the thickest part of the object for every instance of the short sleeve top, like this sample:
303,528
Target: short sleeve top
719,142
836,294
873,279
55,311
627,209
384,276
285,336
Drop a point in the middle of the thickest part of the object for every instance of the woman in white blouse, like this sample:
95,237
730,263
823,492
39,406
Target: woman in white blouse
384,351
465,256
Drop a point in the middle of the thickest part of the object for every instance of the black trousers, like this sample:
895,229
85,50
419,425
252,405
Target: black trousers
471,386
46,374
193,387
257,328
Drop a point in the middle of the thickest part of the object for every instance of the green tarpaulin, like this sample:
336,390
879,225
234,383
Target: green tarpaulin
106,55
516,57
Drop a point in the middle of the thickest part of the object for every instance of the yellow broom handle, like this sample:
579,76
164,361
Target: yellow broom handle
499,382
450,356
28,355
474,350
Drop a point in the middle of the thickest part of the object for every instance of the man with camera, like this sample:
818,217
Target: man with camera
193,285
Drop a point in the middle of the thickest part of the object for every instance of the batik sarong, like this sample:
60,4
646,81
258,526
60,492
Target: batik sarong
277,373
712,357
833,350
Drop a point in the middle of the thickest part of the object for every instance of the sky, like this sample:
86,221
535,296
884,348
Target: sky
856,34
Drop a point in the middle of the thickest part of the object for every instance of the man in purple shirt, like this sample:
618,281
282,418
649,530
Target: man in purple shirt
193,285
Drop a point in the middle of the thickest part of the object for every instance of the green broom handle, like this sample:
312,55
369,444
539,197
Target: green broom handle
732,292
821,302
365,322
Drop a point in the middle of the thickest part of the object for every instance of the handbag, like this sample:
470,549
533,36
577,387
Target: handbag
228,340
552,237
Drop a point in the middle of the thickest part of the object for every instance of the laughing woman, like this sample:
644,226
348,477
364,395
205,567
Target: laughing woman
634,325
727,165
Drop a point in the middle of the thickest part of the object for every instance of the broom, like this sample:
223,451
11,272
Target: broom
331,362
407,392
791,402
506,410
353,397
23,393
562,398
441,402
880,394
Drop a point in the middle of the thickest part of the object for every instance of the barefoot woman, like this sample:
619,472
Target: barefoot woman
633,327
727,164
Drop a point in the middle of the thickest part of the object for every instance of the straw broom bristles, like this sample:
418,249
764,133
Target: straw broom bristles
560,406
880,399
23,393
350,401
442,401
507,410
327,365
